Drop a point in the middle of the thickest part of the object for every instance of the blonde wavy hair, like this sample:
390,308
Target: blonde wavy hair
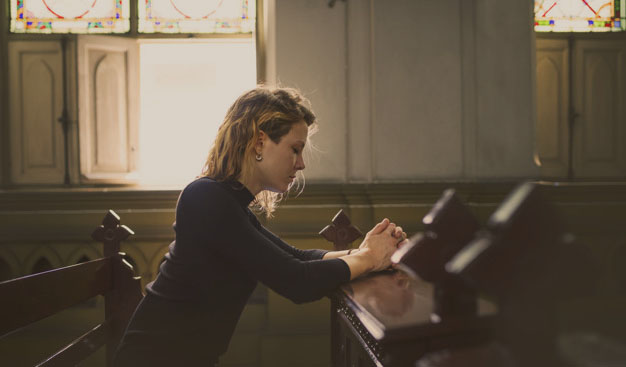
272,111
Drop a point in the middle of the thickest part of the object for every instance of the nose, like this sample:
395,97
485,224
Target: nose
300,163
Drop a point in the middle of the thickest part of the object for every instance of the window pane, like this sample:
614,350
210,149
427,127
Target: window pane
186,89
69,16
579,15
193,16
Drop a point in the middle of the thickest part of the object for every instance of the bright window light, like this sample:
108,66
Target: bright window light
186,89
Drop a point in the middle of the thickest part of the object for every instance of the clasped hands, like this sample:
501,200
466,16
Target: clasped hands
381,242
393,230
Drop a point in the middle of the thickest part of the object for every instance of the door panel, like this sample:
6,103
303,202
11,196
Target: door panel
598,97
551,129
36,103
108,114
599,132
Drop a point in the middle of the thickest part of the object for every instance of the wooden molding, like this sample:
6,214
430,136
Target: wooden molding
588,207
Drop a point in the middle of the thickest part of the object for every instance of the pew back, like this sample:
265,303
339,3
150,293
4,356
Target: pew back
34,297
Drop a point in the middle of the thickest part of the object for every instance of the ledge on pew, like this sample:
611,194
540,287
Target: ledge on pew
31,298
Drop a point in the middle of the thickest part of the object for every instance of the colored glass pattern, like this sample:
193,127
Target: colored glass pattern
69,16
193,16
580,15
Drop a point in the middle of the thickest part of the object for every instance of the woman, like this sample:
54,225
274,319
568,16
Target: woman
221,250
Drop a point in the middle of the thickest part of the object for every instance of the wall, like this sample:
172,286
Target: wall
413,90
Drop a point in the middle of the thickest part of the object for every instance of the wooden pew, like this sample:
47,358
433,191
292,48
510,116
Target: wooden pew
395,317
448,227
34,297
522,264
529,264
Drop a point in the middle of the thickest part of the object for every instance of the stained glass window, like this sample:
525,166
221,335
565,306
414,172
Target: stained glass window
69,16
193,16
580,15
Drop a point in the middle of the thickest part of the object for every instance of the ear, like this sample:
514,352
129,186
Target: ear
260,141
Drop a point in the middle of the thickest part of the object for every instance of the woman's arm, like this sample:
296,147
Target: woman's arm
305,255
210,218
338,254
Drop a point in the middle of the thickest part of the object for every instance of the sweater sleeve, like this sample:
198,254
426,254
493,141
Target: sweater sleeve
212,216
305,255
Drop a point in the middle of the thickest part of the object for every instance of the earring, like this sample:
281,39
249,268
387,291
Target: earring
258,157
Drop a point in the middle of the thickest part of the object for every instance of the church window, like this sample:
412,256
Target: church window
580,15
192,16
152,78
63,16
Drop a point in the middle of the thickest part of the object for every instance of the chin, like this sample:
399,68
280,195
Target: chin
279,190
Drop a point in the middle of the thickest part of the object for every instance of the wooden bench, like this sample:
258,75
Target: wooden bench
34,297
518,274
392,318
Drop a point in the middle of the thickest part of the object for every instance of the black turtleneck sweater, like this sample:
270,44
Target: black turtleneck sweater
220,253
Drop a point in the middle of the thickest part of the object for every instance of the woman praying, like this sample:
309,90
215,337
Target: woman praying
222,251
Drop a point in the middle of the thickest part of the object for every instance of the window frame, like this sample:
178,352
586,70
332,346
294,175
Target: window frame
263,8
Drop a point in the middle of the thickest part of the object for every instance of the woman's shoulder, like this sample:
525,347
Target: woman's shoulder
204,188
204,199
202,182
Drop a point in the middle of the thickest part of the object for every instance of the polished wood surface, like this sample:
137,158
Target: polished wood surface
393,305
387,319
31,298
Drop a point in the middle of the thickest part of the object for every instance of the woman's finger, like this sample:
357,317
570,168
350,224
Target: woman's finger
390,228
398,232
378,228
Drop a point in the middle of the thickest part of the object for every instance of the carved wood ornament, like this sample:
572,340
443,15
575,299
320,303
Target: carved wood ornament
341,232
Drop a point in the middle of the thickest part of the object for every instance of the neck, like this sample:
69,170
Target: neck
251,185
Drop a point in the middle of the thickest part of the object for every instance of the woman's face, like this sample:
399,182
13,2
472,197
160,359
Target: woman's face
281,161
